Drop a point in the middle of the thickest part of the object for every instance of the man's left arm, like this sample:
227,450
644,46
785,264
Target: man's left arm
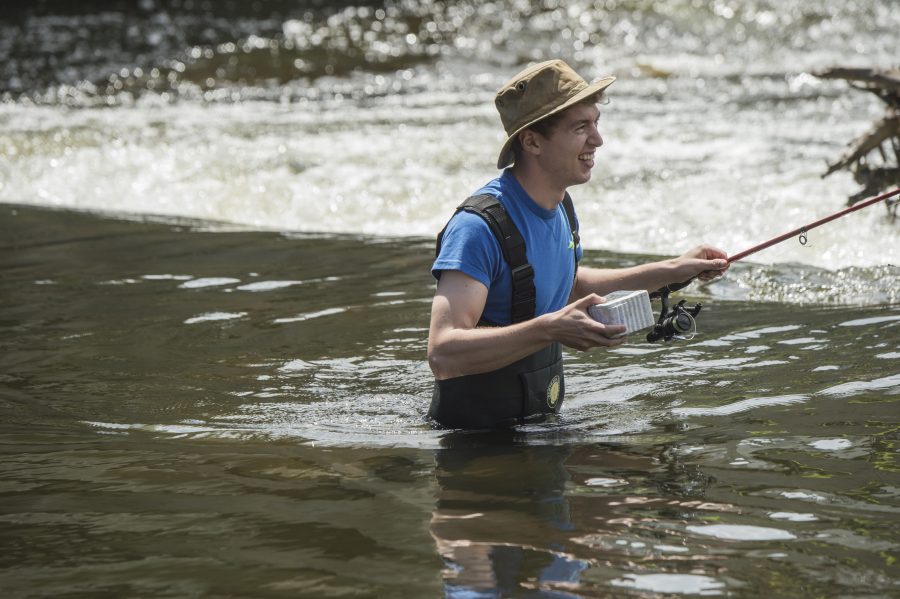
703,262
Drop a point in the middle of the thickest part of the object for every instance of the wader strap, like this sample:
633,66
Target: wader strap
569,208
512,244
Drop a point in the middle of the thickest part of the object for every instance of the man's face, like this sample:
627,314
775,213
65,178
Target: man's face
567,154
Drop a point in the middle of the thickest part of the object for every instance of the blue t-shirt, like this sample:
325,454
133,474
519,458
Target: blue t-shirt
469,246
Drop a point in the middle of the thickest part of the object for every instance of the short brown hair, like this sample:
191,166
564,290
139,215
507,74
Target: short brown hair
546,125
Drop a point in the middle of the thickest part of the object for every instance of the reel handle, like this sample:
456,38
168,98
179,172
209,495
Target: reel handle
664,291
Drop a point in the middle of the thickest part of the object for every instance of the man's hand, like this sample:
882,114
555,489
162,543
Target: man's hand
573,326
704,262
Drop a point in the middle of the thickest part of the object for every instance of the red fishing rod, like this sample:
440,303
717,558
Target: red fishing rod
801,231
679,321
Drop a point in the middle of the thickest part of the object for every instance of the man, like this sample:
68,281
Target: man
500,315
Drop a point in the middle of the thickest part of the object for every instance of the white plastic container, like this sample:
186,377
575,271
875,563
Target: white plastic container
629,308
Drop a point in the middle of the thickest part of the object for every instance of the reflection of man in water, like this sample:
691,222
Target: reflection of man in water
501,532
510,292
512,516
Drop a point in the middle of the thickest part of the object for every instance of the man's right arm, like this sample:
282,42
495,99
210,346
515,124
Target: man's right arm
456,347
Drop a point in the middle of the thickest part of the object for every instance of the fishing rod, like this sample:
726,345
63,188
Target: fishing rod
802,231
678,322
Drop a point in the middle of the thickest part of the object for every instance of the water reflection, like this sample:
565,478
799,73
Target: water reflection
523,514
501,518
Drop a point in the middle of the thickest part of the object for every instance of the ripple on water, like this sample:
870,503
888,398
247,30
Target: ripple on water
682,584
741,406
857,387
741,532
213,316
208,282
167,277
267,285
296,366
861,322
832,444
309,315
793,516
605,482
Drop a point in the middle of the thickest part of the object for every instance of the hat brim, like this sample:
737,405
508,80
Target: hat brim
506,155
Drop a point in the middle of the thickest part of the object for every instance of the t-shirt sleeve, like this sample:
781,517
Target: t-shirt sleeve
469,246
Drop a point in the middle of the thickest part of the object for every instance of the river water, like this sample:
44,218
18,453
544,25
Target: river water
215,236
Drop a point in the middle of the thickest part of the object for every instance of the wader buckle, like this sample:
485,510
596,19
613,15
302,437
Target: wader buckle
522,273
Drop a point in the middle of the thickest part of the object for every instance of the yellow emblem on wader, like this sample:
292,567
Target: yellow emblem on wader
553,391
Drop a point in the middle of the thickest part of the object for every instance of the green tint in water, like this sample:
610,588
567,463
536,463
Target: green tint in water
190,413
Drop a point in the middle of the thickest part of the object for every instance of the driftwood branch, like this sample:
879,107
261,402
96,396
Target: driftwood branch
885,82
887,129
883,137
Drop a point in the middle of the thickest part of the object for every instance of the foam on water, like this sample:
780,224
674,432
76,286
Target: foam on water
268,166
709,137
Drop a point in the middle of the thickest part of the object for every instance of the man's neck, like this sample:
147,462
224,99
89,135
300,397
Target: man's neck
538,188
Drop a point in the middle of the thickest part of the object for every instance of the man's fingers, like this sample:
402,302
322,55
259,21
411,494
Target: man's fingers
611,334
589,300
614,330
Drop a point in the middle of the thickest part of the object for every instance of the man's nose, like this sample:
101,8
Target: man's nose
595,139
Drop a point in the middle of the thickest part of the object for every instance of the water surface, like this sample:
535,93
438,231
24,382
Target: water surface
197,412
216,225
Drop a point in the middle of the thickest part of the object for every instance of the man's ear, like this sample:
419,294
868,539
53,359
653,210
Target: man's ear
530,142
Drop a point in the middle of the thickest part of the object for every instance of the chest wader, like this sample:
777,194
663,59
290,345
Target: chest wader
530,388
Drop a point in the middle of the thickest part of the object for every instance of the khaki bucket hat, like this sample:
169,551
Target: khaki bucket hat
536,93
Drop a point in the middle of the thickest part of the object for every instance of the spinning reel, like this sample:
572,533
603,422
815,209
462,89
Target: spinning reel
675,323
